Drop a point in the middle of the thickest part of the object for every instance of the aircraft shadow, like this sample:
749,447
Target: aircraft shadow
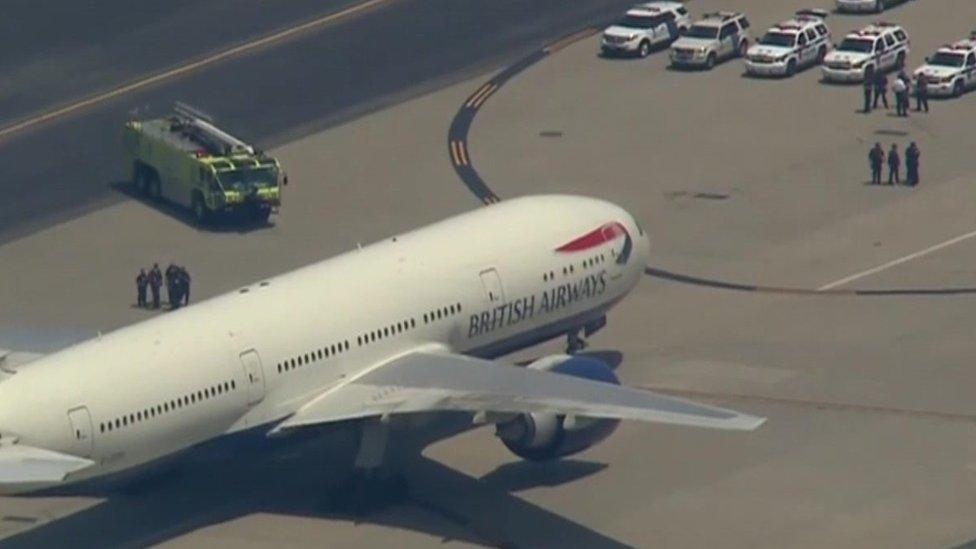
523,475
295,481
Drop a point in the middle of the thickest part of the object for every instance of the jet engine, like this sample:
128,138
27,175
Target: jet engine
543,436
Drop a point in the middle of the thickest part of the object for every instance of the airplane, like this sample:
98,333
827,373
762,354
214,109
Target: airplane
385,338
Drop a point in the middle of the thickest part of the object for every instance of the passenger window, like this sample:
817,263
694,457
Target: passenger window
682,11
802,40
879,46
971,60
727,31
889,40
744,23
900,35
822,30
811,34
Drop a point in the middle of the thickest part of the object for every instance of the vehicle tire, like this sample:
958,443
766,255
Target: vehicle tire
900,62
644,49
260,215
743,48
791,67
155,189
140,180
958,88
200,210
710,61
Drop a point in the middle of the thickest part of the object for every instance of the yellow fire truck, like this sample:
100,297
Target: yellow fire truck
185,159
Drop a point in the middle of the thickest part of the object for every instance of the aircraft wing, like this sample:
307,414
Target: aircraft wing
21,464
426,381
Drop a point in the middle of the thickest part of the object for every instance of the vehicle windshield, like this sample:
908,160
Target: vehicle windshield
638,21
251,178
859,45
947,59
777,39
698,31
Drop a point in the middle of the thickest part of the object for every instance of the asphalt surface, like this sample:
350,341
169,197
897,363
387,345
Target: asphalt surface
747,187
331,74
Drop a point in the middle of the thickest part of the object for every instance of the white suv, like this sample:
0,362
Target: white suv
645,26
952,70
716,36
877,6
877,47
790,45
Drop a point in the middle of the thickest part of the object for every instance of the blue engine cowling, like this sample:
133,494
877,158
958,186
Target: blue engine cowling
543,437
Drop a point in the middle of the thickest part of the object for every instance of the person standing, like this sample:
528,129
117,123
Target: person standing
901,96
880,89
921,93
894,165
912,154
172,291
185,279
155,282
876,160
868,86
142,281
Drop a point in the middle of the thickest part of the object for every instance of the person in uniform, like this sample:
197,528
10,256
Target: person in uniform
880,89
912,155
868,87
155,281
876,160
894,165
172,291
921,93
184,282
142,281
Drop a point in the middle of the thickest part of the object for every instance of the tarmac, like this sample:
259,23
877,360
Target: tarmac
781,284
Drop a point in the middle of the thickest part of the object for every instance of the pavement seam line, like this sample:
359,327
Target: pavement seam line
896,262
188,67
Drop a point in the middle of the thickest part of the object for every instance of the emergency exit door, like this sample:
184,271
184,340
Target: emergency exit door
253,376
492,285
81,432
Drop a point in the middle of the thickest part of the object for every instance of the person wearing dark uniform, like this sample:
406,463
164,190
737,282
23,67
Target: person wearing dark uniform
155,282
868,87
880,89
184,283
894,165
912,154
142,281
876,159
922,93
172,291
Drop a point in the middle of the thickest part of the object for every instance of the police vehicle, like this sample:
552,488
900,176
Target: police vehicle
645,26
790,45
876,47
717,36
877,6
952,70
185,159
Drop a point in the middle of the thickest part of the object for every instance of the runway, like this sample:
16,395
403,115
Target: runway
780,284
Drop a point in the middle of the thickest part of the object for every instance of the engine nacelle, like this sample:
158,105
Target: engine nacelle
542,437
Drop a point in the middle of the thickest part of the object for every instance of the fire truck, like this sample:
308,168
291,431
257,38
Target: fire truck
185,159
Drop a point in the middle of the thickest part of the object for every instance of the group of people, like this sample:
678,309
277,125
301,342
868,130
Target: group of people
177,286
876,90
877,159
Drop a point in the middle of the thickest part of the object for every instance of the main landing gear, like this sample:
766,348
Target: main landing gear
370,486
574,343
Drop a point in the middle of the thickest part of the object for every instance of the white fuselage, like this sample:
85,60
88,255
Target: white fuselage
485,283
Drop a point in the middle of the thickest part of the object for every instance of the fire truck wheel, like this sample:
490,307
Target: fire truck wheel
200,211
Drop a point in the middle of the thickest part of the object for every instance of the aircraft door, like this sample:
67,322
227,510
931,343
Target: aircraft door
492,285
82,434
253,376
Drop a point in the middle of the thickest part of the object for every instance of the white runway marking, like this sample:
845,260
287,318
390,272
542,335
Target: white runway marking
896,262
